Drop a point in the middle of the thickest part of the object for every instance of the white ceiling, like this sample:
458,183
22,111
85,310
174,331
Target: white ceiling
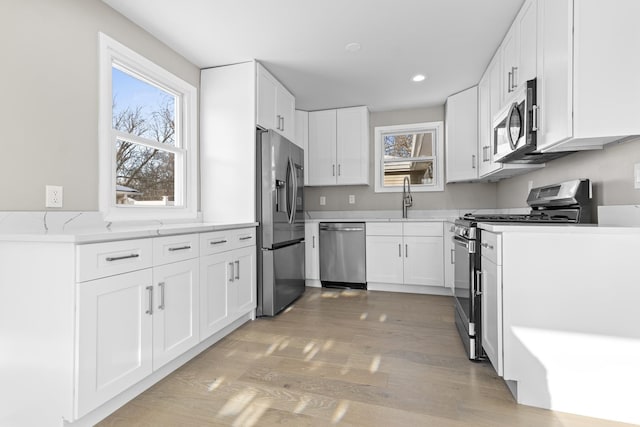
302,42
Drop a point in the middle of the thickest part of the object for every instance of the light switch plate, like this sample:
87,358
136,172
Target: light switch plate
636,176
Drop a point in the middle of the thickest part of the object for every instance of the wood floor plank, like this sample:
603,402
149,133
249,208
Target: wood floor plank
348,358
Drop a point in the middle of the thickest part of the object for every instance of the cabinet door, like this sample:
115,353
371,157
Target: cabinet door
242,284
176,311
214,310
302,139
352,146
285,112
527,43
384,259
311,252
461,133
423,261
114,336
322,147
491,329
509,64
449,255
266,99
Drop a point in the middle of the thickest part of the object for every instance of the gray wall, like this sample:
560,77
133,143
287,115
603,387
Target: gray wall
609,169
455,196
49,87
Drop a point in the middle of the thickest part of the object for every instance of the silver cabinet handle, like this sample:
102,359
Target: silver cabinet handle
339,173
478,282
278,118
282,126
237,263
399,250
232,272
161,286
150,309
473,161
246,238
313,241
334,171
181,248
406,250
118,258
217,242
453,255
514,78
510,82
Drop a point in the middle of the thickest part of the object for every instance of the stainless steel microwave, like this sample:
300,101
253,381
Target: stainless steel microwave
515,130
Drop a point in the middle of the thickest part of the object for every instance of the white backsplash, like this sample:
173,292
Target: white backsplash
619,215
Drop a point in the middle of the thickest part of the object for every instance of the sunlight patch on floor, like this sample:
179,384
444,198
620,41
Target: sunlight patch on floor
302,405
383,318
364,316
217,383
237,403
251,415
340,412
375,364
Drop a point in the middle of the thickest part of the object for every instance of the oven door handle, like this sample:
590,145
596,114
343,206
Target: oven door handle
470,245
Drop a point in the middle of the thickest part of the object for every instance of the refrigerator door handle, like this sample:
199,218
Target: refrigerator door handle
292,182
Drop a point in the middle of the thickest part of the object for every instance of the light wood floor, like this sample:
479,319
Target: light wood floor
348,358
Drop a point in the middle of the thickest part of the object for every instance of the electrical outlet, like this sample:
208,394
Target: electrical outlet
352,199
54,196
323,200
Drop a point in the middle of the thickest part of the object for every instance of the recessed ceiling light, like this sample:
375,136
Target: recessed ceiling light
352,47
418,78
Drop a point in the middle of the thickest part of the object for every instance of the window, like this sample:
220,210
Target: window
148,148
409,151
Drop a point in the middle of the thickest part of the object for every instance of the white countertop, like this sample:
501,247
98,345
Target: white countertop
379,219
113,232
510,227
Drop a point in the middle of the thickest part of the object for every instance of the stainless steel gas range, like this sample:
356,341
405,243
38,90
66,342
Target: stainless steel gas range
565,203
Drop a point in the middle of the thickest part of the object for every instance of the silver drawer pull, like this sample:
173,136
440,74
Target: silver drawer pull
237,263
150,309
161,286
246,238
118,258
181,248
217,242
231,276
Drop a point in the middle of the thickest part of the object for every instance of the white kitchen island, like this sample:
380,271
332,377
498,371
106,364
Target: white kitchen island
566,303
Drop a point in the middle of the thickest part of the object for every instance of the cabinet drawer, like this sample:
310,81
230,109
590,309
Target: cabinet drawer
490,247
384,228
175,248
423,229
220,241
107,259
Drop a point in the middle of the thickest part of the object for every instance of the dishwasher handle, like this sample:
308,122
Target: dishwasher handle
338,226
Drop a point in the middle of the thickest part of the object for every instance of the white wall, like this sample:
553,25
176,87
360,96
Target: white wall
49,87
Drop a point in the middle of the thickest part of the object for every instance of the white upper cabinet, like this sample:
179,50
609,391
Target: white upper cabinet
276,105
588,93
338,150
461,136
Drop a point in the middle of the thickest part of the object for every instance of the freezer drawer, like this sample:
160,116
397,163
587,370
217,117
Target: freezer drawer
282,278
342,254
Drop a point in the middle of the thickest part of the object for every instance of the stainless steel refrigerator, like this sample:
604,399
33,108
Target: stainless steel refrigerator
279,204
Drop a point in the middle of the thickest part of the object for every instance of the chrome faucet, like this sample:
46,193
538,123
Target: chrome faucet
407,200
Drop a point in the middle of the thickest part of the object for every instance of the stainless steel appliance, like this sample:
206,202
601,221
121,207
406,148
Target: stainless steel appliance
515,130
342,254
279,206
565,203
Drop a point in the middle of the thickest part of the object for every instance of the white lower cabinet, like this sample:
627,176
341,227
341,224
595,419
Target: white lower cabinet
114,337
227,281
311,251
491,299
405,253
176,320
449,255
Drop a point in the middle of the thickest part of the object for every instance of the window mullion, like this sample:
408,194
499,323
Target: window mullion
146,142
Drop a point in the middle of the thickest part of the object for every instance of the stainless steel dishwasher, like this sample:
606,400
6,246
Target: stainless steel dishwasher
342,254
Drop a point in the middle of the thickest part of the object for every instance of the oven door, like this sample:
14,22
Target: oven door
464,294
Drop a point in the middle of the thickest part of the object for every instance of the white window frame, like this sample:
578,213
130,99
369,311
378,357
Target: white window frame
438,146
186,149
